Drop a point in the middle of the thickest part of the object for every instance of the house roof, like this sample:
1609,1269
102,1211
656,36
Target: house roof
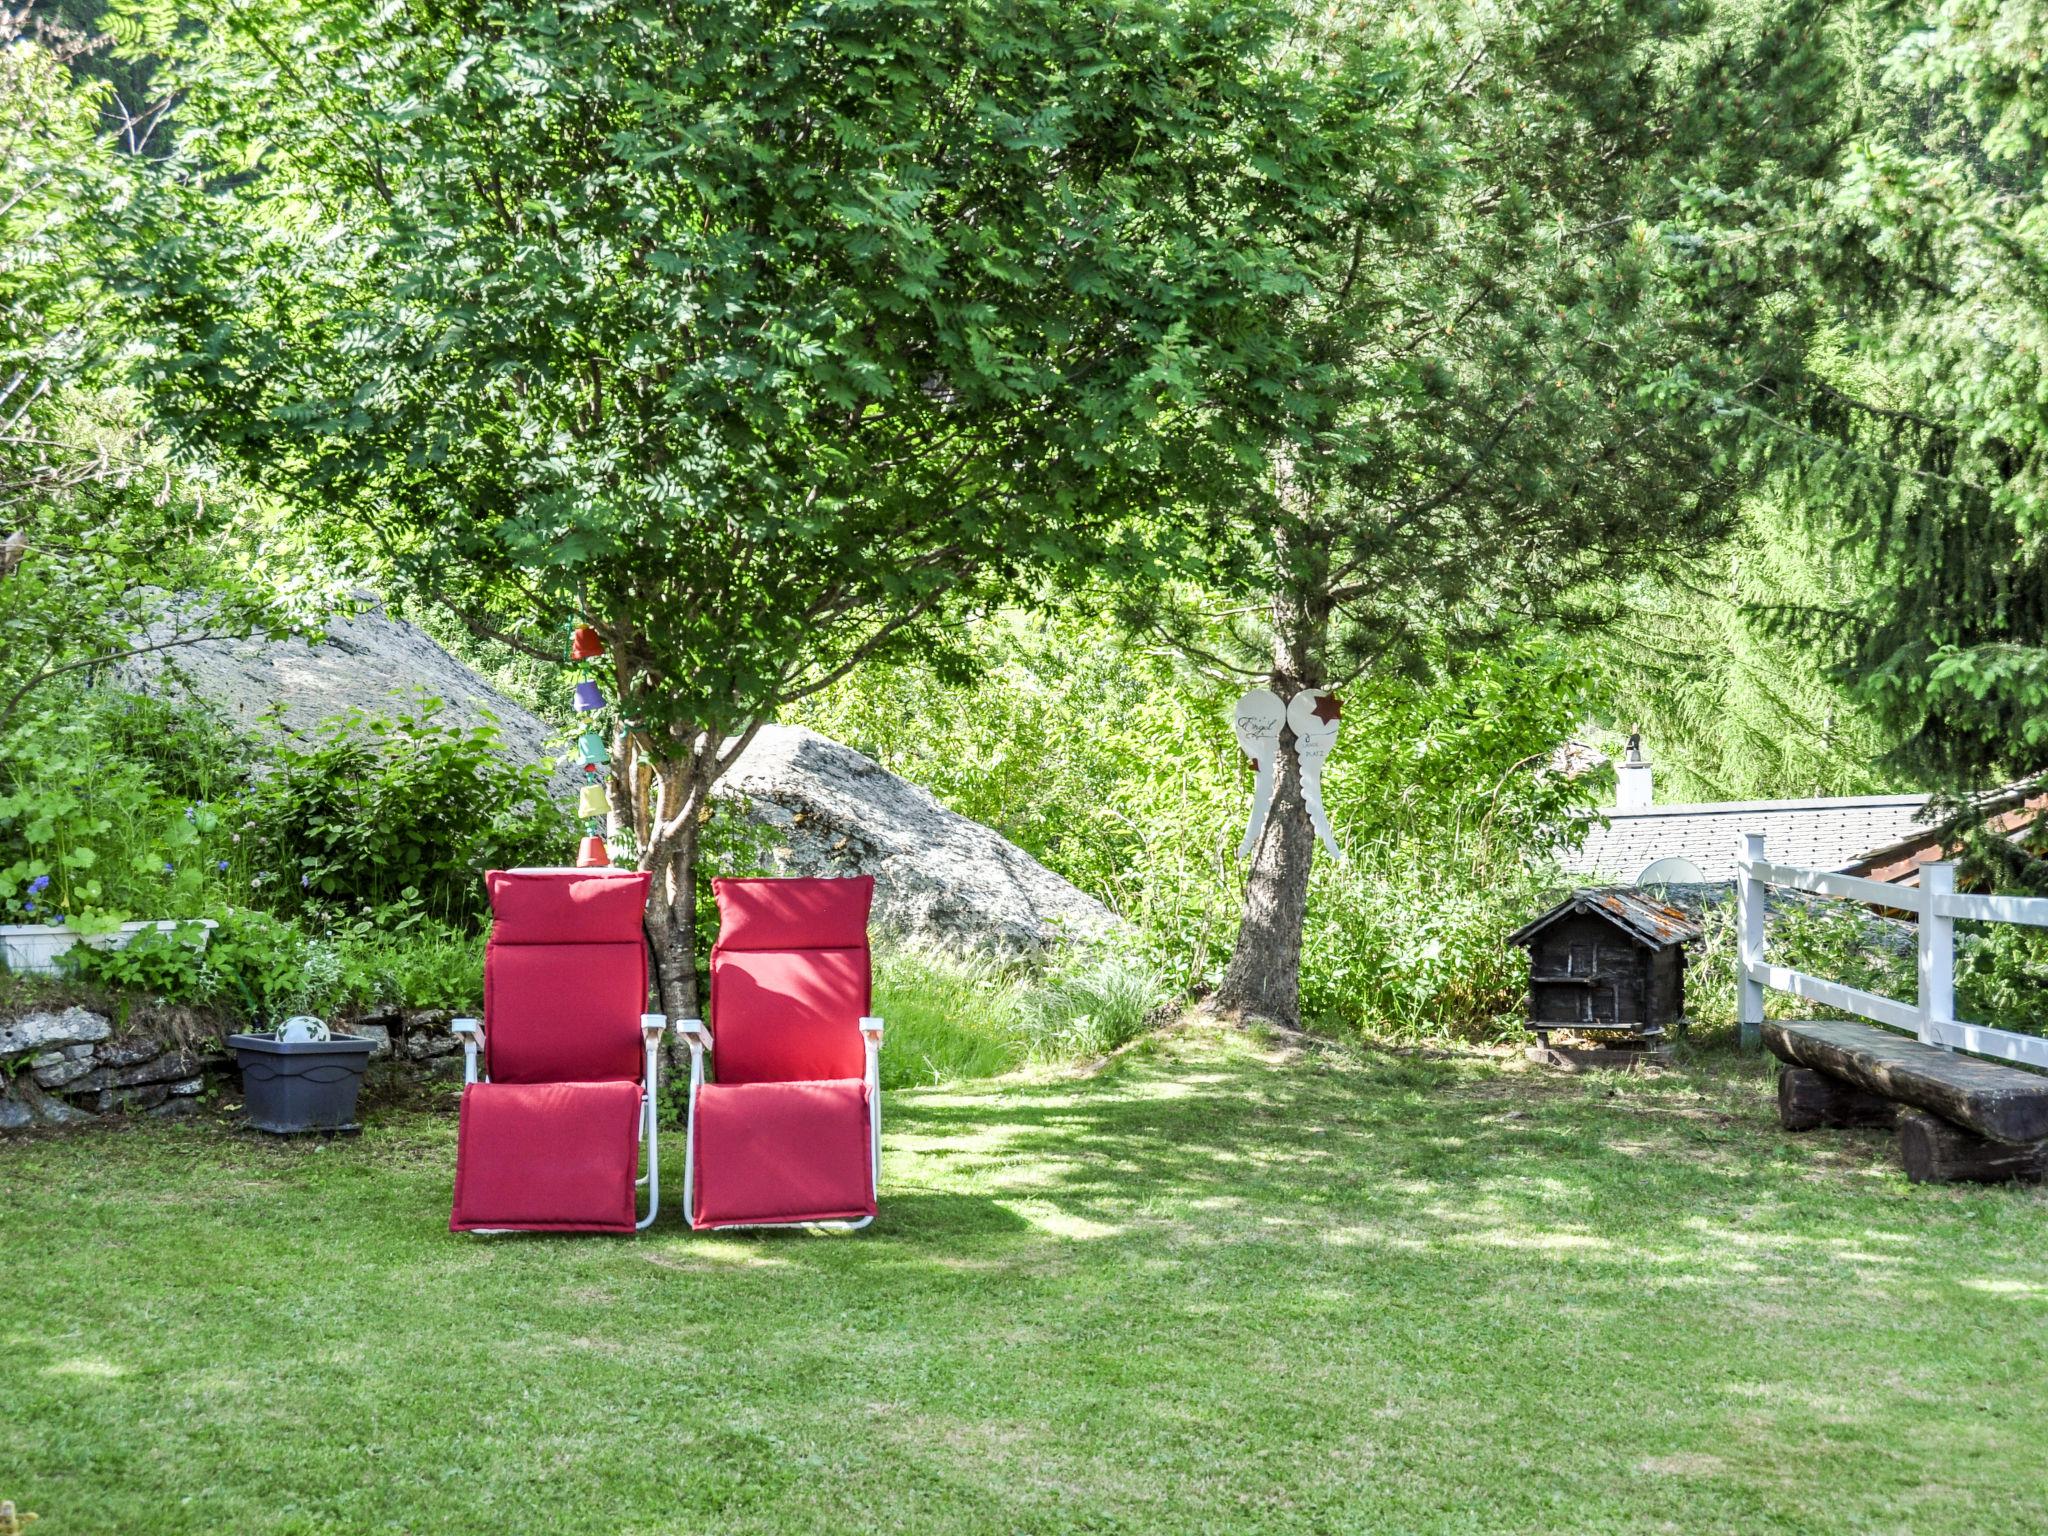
1653,922
1829,834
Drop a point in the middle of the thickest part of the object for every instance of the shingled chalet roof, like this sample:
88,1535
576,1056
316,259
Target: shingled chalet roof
1829,834
1655,923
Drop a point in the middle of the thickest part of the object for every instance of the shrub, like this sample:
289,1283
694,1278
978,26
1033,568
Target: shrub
405,811
87,832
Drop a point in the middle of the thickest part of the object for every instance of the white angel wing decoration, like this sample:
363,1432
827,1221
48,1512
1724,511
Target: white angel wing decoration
1259,716
1313,713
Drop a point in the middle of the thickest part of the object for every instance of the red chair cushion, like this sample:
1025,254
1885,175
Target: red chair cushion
794,914
779,1152
565,975
567,906
547,1157
564,1013
788,1015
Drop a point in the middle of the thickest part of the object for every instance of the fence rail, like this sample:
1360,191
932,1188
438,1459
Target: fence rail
1931,1016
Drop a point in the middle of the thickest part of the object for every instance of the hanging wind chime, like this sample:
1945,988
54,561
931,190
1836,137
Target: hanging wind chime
592,804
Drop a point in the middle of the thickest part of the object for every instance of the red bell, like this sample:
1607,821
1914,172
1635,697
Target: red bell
593,854
584,644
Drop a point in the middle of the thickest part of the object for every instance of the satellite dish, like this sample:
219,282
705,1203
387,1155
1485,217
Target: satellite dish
1676,870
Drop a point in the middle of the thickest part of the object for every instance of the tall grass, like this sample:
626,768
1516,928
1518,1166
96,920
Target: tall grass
951,1018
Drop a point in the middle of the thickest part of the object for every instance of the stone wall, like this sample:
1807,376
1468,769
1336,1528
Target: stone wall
67,1064
70,1065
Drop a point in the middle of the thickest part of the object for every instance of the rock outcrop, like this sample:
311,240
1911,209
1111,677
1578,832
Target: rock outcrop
940,878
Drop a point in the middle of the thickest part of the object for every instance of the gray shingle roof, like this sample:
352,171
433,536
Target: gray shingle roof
1815,834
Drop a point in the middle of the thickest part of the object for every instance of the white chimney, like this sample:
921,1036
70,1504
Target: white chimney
1632,777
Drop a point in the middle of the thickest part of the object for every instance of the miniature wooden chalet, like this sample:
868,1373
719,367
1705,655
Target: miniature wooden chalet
1607,962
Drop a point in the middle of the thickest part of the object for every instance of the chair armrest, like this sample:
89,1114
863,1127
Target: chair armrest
694,1034
872,1028
652,1025
471,1033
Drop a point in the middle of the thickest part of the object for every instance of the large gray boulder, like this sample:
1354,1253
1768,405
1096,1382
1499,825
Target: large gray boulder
370,661
940,879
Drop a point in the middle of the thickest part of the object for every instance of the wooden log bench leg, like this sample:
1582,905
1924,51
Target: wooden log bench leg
1936,1152
1809,1100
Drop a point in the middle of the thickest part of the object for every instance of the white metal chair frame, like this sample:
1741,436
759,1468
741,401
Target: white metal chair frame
652,1026
698,1038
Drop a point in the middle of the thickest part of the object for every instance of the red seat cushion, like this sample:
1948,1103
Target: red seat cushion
788,1015
547,1157
776,1152
565,975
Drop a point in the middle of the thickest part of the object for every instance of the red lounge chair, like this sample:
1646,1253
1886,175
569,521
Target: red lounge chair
550,1137
791,1130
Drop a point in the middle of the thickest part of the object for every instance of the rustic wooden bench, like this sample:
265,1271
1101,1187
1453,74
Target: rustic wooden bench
1958,1118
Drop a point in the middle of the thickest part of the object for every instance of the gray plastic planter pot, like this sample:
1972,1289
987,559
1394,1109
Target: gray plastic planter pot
300,1085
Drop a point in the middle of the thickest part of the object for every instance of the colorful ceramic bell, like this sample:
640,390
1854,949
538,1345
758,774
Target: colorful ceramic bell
593,748
589,697
584,644
592,801
593,854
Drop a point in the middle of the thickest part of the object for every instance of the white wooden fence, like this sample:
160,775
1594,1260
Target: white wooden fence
1932,1015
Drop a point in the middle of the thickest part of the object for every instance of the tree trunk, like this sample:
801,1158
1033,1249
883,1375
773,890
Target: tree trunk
672,796
1263,979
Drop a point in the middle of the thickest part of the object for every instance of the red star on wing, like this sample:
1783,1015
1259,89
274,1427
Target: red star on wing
1327,708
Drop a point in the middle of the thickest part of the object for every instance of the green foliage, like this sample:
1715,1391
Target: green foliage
89,830
118,548
1114,764
765,336
1835,940
1730,706
946,1018
422,965
951,1017
406,809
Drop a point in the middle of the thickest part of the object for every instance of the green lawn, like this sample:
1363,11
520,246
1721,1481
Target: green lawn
1211,1289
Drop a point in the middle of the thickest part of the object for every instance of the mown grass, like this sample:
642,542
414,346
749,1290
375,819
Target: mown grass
1214,1288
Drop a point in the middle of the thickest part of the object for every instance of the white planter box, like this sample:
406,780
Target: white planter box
31,949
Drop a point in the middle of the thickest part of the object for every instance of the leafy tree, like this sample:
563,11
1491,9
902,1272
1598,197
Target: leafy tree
1509,397
100,533
1698,662
1915,433
768,338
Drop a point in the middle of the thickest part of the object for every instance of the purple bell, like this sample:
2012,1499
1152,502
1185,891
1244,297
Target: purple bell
589,697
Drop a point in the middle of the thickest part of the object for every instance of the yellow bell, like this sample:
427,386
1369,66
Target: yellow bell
592,801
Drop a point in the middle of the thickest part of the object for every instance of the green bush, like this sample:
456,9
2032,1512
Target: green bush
1835,940
87,830
401,811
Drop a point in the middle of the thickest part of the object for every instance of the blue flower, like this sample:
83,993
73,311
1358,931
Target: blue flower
222,866
58,919
305,881
39,884
28,906
170,868
191,813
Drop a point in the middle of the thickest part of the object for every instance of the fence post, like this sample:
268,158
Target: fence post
1937,951
1749,941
